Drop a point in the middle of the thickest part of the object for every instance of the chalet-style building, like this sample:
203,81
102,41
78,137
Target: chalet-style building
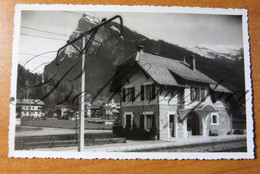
30,108
95,110
163,98
105,110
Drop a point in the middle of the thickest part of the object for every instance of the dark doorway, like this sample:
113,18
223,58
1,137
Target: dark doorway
194,124
128,121
172,126
142,122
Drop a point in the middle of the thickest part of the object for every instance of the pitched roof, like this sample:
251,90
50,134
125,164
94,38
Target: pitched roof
30,102
161,69
95,106
115,111
166,71
219,88
107,107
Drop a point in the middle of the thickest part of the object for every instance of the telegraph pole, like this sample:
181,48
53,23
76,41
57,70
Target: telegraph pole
85,47
82,102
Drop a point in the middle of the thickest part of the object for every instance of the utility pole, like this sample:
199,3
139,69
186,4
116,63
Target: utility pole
85,47
82,102
29,101
231,124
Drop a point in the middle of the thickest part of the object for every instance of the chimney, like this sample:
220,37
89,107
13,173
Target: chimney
141,49
193,63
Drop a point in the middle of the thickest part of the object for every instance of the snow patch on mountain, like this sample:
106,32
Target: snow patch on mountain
231,52
115,29
92,19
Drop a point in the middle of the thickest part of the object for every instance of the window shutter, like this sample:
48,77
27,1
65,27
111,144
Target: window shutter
133,93
153,121
191,94
142,92
153,91
124,95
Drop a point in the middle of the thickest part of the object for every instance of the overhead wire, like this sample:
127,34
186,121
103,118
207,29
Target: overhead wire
44,37
30,54
45,31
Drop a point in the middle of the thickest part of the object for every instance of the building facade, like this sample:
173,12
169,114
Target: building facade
30,108
166,99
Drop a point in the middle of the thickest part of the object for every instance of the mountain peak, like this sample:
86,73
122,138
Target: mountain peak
87,21
232,52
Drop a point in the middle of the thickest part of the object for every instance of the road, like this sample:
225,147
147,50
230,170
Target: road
235,146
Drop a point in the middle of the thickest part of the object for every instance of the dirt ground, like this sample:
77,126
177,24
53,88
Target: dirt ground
236,146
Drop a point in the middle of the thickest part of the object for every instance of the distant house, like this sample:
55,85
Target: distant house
164,98
30,108
94,109
115,112
105,110
63,111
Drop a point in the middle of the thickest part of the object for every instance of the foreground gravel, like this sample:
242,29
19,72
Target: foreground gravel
234,146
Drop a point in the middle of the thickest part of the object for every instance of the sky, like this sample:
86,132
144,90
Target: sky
181,29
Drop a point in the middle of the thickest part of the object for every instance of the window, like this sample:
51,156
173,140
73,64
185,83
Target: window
194,94
128,94
214,119
180,97
198,94
147,121
203,94
148,92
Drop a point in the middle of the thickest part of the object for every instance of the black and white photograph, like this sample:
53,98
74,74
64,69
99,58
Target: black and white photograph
126,82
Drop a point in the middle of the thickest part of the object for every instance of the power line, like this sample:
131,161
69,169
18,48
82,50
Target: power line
30,28
73,13
44,37
30,54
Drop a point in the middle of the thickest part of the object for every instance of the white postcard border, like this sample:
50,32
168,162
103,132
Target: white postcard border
130,155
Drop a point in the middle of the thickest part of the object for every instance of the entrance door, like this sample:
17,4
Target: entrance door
172,126
142,122
194,124
128,121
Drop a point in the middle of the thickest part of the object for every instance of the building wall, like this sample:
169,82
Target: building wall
167,102
169,105
137,80
188,103
139,107
137,111
166,110
31,110
224,122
